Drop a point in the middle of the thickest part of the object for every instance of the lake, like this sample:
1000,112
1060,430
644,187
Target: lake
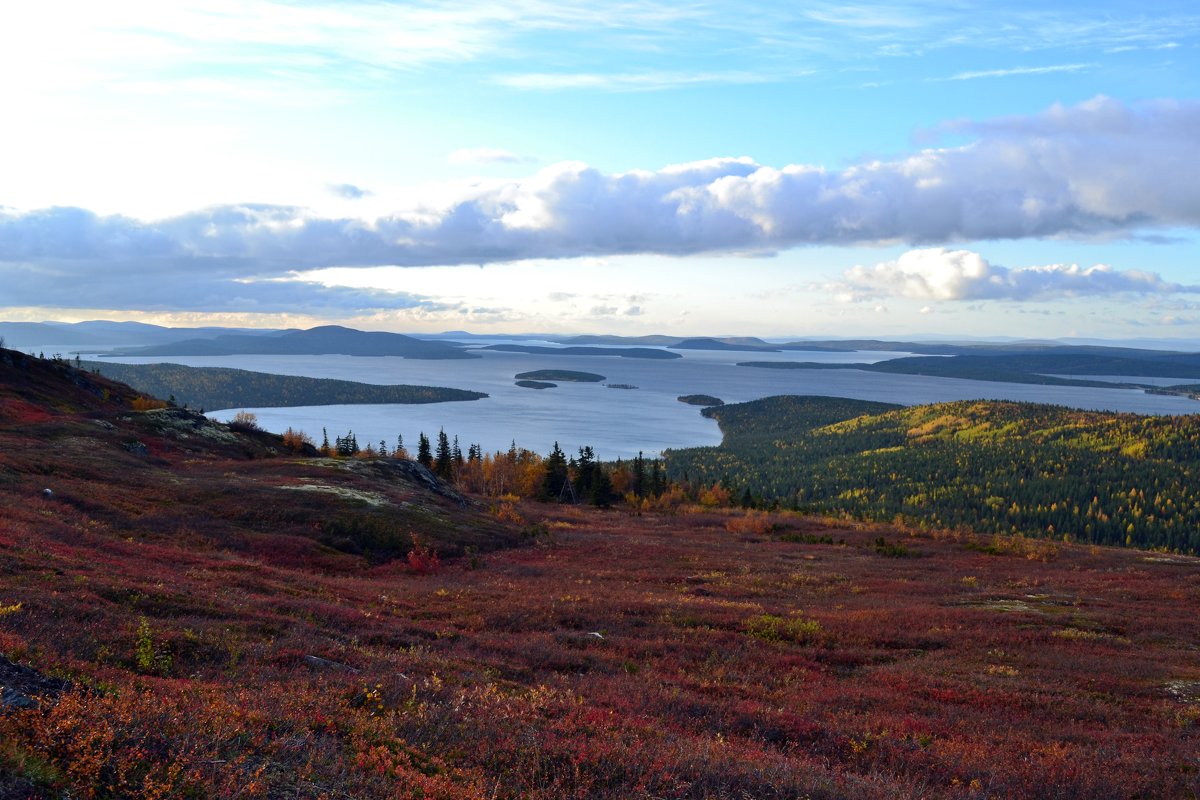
617,423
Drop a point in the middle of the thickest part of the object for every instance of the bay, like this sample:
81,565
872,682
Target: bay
617,423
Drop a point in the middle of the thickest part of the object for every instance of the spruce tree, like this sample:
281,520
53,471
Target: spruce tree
555,475
443,465
424,455
601,492
585,472
639,475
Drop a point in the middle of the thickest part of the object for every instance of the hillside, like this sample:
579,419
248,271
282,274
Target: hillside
221,387
209,616
994,467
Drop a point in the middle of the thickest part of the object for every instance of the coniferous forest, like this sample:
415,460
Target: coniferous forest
994,467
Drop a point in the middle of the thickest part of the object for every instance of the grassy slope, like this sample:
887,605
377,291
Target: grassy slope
215,651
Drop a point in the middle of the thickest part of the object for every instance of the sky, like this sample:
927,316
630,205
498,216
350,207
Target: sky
693,168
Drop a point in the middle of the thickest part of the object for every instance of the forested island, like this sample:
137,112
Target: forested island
700,400
221,387
322,340
994,467
1044,368
569,375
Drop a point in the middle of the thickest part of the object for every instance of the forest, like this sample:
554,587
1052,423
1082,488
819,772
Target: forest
220,387
992,467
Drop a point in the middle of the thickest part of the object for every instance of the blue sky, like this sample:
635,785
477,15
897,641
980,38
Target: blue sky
701,168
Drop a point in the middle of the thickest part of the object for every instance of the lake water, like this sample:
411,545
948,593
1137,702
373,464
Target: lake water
617,423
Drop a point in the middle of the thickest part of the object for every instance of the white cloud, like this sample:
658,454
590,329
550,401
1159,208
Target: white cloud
1006,73
1101,167
941,274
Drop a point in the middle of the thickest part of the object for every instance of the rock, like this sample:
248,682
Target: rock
137,448
409,471
23,687
11,698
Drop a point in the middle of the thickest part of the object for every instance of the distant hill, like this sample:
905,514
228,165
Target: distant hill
619,352
756,345
97,333
653,340
324,340
213,388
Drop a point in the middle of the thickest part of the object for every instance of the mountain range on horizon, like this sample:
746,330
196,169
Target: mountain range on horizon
215,340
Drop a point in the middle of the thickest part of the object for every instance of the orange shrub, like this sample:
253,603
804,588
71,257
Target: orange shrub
295,440
714,496
752,522
147,403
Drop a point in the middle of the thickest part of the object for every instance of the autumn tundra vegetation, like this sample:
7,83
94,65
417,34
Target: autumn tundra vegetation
208,610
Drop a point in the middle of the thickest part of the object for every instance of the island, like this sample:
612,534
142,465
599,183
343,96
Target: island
1047,366
222,387
537,385
568,375
700,400
322,340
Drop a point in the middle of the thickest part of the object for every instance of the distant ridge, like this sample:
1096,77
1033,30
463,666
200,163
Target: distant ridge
324,340
619,352
95,333
743,345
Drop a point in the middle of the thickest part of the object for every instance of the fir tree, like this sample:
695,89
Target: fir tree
443,464
556,474
601,492
639,475
424,454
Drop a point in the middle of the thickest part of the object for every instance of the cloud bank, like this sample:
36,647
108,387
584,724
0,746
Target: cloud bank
1101,167
941,274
